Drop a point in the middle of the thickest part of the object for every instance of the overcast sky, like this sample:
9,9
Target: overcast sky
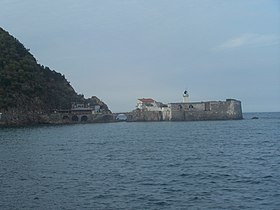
121,50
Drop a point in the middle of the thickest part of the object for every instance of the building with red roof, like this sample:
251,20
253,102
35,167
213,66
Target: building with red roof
148,104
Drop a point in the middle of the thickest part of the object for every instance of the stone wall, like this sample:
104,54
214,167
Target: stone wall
60,118
141,115
31,118
12,118
166,114
211,110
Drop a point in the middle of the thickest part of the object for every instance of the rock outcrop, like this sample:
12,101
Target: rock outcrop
30,92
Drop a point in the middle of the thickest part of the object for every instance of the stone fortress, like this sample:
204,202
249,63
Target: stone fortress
148,109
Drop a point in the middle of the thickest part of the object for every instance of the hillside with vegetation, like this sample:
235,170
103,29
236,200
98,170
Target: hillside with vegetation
28,87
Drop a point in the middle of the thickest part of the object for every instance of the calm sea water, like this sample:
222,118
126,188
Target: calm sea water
156,165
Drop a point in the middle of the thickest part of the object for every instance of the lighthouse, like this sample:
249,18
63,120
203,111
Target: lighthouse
185,97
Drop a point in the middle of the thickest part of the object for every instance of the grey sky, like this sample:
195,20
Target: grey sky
121,50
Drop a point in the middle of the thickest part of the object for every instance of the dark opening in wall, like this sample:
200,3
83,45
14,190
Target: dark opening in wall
65,117
84,118
75,118
207,106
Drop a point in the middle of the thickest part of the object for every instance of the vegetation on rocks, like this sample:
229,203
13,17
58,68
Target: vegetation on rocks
26,86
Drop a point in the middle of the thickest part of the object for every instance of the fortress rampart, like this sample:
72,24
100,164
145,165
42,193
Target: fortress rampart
210,110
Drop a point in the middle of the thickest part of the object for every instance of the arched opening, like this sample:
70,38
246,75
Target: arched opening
75,118
121,117
66,118
84,118
180,107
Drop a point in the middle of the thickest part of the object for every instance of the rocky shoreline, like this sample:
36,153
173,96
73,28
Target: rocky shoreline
30,119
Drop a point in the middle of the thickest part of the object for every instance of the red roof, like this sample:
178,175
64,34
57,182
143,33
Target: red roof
146,100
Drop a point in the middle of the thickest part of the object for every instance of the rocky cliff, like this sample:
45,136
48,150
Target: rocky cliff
29,90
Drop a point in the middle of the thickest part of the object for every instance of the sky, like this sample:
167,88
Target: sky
122,50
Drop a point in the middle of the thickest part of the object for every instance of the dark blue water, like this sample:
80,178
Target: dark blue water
160,165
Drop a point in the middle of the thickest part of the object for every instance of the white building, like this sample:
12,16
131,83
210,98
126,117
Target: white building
148,104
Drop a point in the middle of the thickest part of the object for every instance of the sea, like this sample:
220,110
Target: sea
143,165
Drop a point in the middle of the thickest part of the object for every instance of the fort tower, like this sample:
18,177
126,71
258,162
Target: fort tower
185,97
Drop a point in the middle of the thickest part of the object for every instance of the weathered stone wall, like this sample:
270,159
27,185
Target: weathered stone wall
166,114
214,110
60,118
197,106
141,115
177,115
211,110
31,118
10,118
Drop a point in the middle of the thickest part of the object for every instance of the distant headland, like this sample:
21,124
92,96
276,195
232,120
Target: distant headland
32,94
